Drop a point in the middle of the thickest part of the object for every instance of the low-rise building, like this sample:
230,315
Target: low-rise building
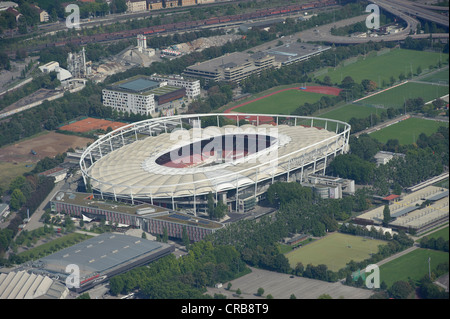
170,3
136,5
155,5
152,219
384,157
4,210
185,3
330,186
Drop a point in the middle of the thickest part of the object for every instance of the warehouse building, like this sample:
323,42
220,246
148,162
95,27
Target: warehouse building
99,258
23,285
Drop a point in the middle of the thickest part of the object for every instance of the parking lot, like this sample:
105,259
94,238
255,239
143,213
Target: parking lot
281,286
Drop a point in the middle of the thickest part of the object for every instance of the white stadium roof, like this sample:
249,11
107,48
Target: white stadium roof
131,170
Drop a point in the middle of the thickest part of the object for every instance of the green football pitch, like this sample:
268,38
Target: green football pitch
280,103
397,96
335,251
407,131
413,265
381,68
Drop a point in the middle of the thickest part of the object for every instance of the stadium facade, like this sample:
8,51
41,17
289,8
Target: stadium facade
176,161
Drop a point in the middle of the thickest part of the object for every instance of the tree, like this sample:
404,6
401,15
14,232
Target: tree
386,215
260,291
165,236
17,199
400,290
185,238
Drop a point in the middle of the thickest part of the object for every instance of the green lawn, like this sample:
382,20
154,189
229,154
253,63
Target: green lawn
281,103
379,68
9,171
335,251
397,96
407,131
413,265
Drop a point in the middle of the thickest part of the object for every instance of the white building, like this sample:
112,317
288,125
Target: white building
62,74
192,86
136,103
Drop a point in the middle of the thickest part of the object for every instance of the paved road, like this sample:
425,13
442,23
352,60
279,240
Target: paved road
323,33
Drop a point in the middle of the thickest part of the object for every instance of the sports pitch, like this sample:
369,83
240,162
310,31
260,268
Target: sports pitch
397,96
407,131
335,251
381,68
346,112
413,265
281,103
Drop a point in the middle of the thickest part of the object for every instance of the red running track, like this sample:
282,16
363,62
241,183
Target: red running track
268,119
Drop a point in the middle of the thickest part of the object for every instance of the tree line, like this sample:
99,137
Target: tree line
184,278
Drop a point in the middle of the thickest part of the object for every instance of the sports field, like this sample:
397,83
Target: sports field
335,251
407,131
397,96
346,112
437,77
381,68
284,102
413,265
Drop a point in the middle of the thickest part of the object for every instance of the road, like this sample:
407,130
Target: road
412,9
323,33
34,222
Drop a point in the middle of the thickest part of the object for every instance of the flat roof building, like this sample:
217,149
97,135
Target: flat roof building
419,210
232,67
101,257
144,95
150,218
235,67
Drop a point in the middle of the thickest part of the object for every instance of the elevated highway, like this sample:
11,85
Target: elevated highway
406,12
412,9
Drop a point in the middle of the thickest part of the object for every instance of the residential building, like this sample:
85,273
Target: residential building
170,3
155,4
136,5
185,3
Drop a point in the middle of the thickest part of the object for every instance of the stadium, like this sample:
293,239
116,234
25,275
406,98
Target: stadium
177,161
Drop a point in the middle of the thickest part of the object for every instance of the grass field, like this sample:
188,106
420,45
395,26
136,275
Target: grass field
438,77
281,103
9,171
413,265
346,112
397,96
444,233
335,251
407,131
379,68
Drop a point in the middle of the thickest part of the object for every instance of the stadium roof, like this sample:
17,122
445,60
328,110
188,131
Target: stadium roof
132,168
